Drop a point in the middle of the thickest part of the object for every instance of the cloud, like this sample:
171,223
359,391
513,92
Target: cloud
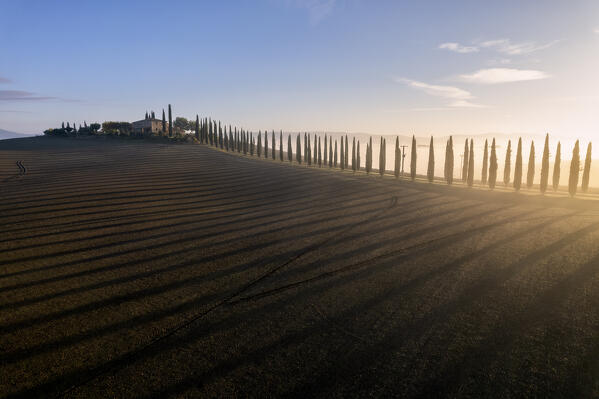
459,97
20,95
503,75
4,80
458,48
505,46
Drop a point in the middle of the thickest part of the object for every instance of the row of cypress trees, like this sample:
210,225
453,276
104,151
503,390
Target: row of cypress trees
212,132
489,168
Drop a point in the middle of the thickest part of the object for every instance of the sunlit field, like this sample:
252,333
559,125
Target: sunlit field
131,268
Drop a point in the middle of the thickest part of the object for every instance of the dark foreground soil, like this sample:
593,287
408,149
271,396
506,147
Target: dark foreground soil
131,269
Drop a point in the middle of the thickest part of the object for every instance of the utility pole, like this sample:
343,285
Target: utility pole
403,156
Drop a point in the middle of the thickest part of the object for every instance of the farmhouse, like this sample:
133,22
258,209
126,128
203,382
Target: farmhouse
148,125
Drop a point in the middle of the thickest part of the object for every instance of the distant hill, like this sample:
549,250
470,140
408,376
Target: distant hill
5,134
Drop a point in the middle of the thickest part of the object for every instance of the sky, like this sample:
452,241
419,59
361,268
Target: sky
361,66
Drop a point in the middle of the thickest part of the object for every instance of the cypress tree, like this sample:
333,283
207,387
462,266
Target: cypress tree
210,132
252,145
493,166
471,164
369,156
170,121
507,169
274,146
335,160
341,157
197,127
557,166
265,144
545,166
413,159
574,170
325,153
298,149
221,140
465,163
353,154
397,165
315,150
430,173
530,176
384,156
319,154
381,157
330,151
449,161
586,175
308,151
281,146
518,166
289,149
358,157
346,159
483,178
63,125
163,123
259,147
305,147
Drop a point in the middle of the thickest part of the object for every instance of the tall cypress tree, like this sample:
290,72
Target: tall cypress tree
587,169
319,154
346,159
163,123
330,151
449,161
265,144
465,163
252,145
335,159
197,127
298,149
274,146
315,150
493,166
170,121
483,178
289,149
530,176
305,147
325,153
353,154
259,147
518,167
281,146
413,159
341,155
397,164
368,164
574,170
430,173
557,166
471,164
545,166
358,157
507,169
308,152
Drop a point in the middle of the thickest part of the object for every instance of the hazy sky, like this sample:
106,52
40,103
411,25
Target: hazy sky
383,67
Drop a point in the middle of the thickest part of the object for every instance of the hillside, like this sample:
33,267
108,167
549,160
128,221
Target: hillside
135,269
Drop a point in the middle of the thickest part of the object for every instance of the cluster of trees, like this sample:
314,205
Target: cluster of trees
489,167
68,130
